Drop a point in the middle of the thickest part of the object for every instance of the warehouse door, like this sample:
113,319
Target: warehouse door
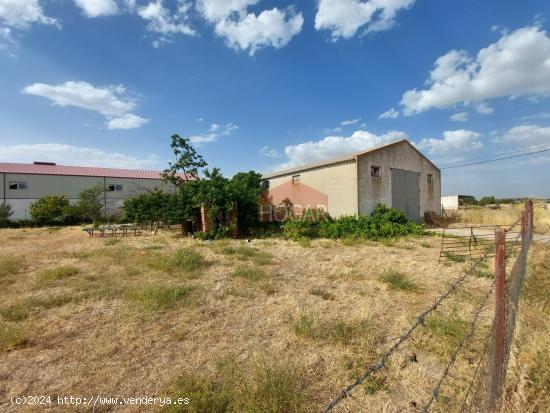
405,192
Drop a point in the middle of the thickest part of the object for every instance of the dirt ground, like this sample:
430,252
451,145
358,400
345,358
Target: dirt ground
159,315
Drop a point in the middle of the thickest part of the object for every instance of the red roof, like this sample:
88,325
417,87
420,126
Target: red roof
44,169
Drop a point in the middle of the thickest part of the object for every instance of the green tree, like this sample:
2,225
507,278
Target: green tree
244,189
212,192
188,161
90,205
5,213
488,200
52,209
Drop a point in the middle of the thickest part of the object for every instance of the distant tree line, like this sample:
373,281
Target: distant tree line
491,200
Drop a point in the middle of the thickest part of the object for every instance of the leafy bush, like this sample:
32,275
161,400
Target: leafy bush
53,210
5,213
296,230
156,206
90,205
383,223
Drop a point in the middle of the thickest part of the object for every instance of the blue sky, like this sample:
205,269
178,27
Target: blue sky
261,84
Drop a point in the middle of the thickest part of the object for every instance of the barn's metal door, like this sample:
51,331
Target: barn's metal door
405,192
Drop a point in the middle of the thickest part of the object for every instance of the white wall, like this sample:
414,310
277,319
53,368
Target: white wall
450,203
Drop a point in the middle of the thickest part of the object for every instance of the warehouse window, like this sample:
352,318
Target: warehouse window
112,188
295,179
375,171
21,185
430,179
265,185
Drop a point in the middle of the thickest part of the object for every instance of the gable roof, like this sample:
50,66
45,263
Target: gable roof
63,170
334,161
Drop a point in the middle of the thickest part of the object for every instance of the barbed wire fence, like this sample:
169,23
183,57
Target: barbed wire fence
483,389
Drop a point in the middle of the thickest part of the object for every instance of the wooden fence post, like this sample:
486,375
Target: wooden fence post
500,321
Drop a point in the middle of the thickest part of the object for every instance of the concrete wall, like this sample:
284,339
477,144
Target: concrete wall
338,182
450,203
39,186
377,190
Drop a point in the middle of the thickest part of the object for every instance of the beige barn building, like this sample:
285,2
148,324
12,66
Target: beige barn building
22,184
397,175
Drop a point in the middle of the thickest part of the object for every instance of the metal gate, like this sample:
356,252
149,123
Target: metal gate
405,192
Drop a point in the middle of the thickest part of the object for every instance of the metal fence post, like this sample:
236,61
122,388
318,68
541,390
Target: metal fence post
529,215
500,320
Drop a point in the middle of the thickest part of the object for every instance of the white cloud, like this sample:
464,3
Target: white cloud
453,142
459,117
518,64
333,130
525,135
216,131
389,114
540,115
269,152
350,122
214,10
484,109
22,13
165,22
97,8
345,17
539,160
249,31
128,121
73,155
334,146
107,101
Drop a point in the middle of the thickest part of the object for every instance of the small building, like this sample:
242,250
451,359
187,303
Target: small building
397,175
454,202
22,184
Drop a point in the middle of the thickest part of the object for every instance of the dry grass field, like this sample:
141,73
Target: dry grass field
266,326
506,215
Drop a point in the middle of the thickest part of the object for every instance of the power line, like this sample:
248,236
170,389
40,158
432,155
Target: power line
499,154
497,159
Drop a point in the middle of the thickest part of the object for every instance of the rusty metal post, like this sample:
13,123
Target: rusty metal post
530,215
500,320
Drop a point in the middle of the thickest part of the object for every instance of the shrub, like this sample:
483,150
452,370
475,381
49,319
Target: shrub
53,210
90,206
297,230
383,223
5,214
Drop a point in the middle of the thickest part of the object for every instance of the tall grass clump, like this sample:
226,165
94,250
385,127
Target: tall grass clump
257,386
13,336
159,297
184,261
249,272
397,280
9,265
58,273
